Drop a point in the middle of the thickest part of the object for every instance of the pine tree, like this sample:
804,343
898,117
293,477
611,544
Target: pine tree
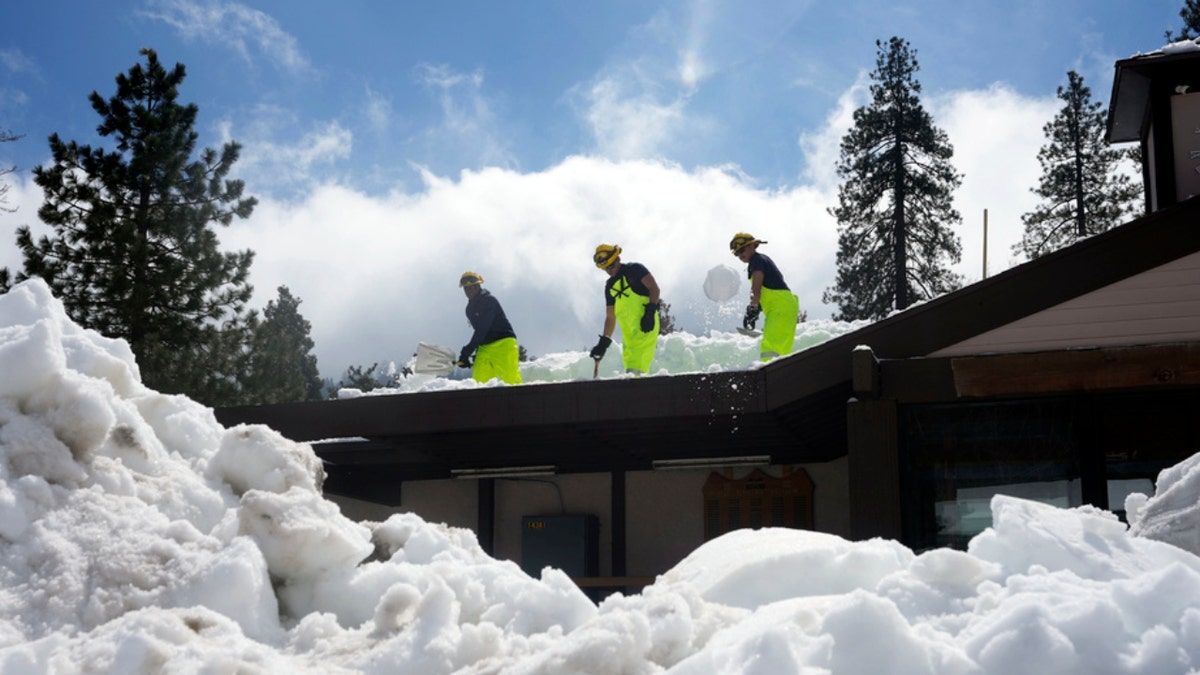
666,322
281,366
1081,192
894,209
133,254
1191,22
364,379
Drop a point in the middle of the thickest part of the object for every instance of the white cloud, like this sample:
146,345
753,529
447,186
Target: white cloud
26,197
246,30
444,77
822,148
629,126
15,61
378,111
266,162
11,98
638,105
996,134
468,128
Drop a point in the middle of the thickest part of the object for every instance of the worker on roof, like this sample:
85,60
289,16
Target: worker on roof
494,343
631,301
769,295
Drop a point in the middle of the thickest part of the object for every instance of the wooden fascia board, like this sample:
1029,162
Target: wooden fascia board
1078,371
1071,371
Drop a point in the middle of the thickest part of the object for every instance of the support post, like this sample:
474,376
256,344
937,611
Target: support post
874,457
985,243
486,515
617,509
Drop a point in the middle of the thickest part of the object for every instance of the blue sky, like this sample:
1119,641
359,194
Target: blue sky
393,145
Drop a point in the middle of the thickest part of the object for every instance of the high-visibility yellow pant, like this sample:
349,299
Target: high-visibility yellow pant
498,359
637,346
780,310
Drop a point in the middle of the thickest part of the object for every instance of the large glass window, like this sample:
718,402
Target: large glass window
959,456
1064,451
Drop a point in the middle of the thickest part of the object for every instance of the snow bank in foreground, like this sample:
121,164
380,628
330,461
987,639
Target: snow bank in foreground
141,536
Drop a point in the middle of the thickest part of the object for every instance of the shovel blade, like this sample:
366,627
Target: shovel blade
434,359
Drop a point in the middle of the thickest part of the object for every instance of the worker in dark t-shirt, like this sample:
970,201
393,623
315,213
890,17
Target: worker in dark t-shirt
631,301
769,295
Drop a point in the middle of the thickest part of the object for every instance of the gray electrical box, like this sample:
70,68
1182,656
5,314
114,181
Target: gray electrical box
569,542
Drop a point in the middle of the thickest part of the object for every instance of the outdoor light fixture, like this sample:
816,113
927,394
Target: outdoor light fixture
505,472
711,462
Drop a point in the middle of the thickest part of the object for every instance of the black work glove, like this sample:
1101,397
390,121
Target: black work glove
648,317
464,359
752,312
597,352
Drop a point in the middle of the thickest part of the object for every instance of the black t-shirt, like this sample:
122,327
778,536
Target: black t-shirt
627,279
772,277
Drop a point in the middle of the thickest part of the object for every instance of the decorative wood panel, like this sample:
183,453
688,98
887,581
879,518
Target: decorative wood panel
757,500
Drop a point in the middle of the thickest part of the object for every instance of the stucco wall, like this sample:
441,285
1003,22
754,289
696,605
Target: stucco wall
664,509
582,493
831,496
453,502
665,520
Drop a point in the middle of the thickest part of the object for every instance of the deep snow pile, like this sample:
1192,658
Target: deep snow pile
141,536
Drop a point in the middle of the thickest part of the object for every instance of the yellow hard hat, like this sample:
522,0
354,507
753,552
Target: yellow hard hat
741,240
470,278
606,255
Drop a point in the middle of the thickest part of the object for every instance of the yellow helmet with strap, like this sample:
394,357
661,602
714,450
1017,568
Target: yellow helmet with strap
606,255
741,240
470,278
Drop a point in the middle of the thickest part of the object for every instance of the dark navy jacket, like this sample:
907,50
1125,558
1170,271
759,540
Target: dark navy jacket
488,320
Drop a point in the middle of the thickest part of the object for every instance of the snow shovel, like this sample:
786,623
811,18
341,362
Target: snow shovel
434,359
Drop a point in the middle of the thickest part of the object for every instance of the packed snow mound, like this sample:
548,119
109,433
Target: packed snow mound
139,535
1173,515
725,569
134,516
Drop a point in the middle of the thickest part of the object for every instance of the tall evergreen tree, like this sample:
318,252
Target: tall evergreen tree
133,254
282,368
1081,192
894,209
1190,13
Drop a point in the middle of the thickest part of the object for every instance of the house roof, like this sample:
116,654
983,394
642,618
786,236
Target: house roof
792,409
1129,104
